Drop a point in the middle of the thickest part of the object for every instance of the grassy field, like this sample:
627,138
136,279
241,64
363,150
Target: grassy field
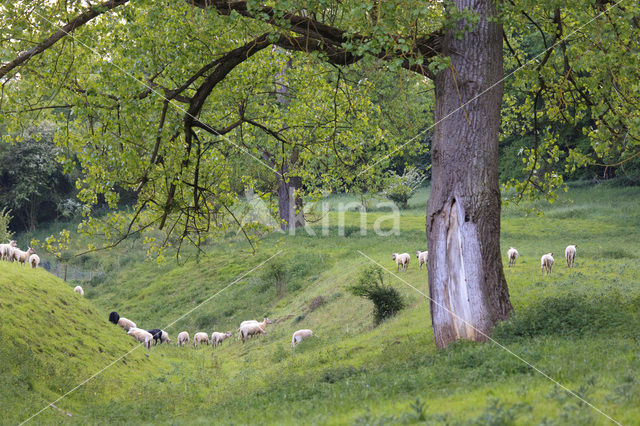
579,326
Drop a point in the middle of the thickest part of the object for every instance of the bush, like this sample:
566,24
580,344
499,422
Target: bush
5,218
387,301
401,188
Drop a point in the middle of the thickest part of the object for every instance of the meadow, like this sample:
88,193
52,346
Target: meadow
579,326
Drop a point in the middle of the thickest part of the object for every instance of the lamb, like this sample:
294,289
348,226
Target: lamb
114,317
217,338
401,259
200,337
6,250
299,335
570,255
423,258
160,335
34,260
546,262
183,337
512,254
22,256
141,336
126,324
249,330
79,290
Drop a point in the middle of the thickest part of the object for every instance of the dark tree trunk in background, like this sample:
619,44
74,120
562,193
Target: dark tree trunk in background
463,214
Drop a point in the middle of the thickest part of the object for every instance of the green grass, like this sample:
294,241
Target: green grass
579,326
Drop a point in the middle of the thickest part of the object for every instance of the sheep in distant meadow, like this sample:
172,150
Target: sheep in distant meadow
299,335
200,338
6,250
217,338
79,290
401,260
423,258
159,335
183,337
126,323
22,256
512,254
142,336
114,317
34,260
249,330
546,262
570,255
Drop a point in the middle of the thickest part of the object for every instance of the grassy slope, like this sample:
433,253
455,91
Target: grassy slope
579,326
48,345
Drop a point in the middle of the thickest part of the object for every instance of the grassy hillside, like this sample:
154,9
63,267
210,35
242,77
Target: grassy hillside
579,326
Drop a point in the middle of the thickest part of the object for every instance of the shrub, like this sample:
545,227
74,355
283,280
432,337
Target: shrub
401,188
5,218
387,301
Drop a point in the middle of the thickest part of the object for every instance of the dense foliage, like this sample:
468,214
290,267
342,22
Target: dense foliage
387,301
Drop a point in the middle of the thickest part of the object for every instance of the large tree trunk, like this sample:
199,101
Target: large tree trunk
290,203
466,281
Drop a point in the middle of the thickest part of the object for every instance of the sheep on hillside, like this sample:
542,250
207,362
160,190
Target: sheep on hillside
160,335
183,337
570,255
114,317
401,259
22,256
249,330
34,260
217,338
546,262
142,336
512,254
423,258
126,323
79,290
200,337
6,250
299,335
262,325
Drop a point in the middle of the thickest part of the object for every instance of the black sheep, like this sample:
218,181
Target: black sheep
157,335
114,317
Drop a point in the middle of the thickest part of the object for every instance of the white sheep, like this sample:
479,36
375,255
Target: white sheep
401,259
126,324
165,337
79,290
22,256
34,260
249,330
570,255
546,262
200,337
6,250
142,336
299,335
183,337
264,322
512,254
217,338
423,258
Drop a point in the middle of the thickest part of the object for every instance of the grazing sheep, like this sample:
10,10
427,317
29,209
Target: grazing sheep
160,335
183,337
34,260
114,317
546,262
512,254
217,338
126,323
79,290
249,330
423,258
570,255
200,337
299,335
262,324
6,250
401,259
142,336
22,256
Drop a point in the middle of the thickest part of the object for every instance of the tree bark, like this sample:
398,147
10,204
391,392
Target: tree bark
468,290
290,202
